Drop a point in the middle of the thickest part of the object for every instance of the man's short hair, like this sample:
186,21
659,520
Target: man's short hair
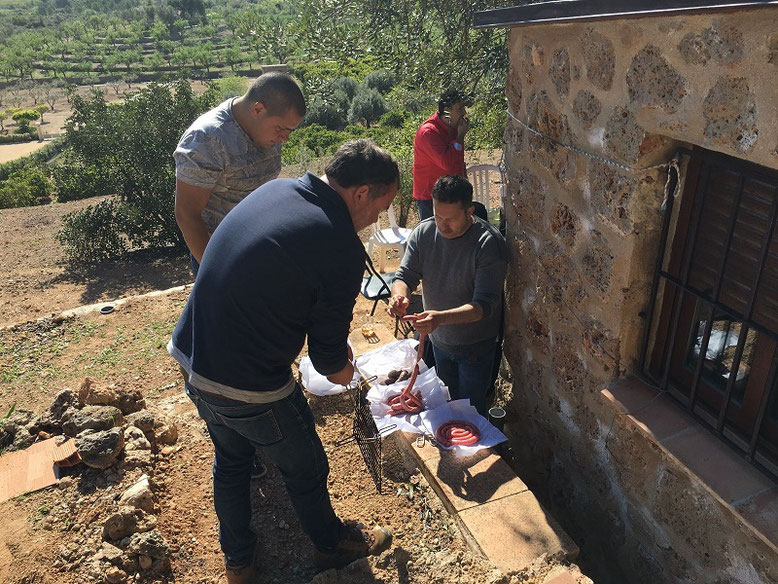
453,189
278,92
451,96
362,162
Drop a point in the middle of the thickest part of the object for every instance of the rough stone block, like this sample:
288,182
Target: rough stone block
611,194
597,263
720,43
569,368
527,194
730,112
586,108
623,136
513,87
564,224
772,47
545,118
600,59
601,344
652,82
560,72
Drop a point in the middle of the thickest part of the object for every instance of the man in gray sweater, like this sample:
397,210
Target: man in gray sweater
461,261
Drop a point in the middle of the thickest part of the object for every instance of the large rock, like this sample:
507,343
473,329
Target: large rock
64,405
144,420
135,439
109,553
139,495
19,430
125,522
165,430
127,400
92,418
100,449
152,545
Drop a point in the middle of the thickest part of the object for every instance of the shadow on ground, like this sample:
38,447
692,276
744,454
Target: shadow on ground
137,272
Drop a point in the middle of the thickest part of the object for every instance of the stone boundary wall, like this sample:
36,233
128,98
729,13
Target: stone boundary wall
583,238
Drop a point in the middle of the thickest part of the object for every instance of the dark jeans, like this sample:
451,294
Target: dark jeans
194,264
467,376
285,431
425,209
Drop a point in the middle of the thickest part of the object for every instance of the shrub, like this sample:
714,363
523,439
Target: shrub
231,86
367,106
19,136
325,113
130,144
488,118
381,81
74,181
95,233
24,187
347,85
23,118
311,141
394,118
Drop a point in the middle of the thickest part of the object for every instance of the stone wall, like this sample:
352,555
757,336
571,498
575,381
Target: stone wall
583,237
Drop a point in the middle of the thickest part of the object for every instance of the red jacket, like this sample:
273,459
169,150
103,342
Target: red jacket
436,152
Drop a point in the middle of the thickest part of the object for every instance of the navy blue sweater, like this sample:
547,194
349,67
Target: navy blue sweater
285,263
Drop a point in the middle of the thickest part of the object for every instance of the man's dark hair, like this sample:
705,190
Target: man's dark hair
362,162
453,189
278,92
451,96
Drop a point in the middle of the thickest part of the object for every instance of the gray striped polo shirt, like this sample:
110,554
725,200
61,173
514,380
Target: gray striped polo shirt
215,153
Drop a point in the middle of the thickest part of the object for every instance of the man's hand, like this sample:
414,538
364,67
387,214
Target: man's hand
344,376
427,321
462,128
398,305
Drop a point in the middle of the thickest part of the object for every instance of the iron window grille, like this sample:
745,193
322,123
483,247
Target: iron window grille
712,336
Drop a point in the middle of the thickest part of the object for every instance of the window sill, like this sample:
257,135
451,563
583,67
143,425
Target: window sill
749,493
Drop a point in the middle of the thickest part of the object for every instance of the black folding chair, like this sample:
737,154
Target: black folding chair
378,287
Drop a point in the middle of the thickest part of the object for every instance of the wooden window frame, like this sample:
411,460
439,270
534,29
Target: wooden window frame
681,311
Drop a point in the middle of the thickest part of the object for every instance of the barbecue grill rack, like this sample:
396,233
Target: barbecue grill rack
364,430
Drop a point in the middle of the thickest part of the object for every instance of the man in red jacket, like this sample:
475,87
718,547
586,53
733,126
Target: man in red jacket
438,148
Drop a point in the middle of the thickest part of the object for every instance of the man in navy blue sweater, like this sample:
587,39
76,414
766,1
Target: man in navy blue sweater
286,263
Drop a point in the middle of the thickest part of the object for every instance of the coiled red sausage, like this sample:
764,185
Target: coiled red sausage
457,433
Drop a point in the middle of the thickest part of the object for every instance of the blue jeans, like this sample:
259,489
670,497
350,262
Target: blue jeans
285,431
467,375
425,209
194,264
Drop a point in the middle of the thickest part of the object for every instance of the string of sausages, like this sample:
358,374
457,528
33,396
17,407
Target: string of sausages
408,401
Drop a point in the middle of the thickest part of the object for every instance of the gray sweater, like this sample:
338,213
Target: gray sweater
468,269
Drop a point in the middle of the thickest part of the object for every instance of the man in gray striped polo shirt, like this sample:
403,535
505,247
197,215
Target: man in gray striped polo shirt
230,151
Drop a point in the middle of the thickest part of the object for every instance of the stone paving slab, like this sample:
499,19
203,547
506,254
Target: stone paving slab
498,515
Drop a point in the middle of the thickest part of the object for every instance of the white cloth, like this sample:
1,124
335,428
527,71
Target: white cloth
433,394
462,410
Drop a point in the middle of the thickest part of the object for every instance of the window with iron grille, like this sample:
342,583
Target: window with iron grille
714,319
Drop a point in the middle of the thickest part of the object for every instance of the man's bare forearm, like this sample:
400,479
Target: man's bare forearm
462,314
195,234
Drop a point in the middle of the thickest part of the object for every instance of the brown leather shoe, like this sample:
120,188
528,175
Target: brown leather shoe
358,542
244,575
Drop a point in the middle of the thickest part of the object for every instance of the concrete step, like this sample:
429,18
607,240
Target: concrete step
496,512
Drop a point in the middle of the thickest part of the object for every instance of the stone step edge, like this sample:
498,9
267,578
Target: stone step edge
411,455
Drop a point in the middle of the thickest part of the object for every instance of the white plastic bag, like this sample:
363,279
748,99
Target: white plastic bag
433,394
396,355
